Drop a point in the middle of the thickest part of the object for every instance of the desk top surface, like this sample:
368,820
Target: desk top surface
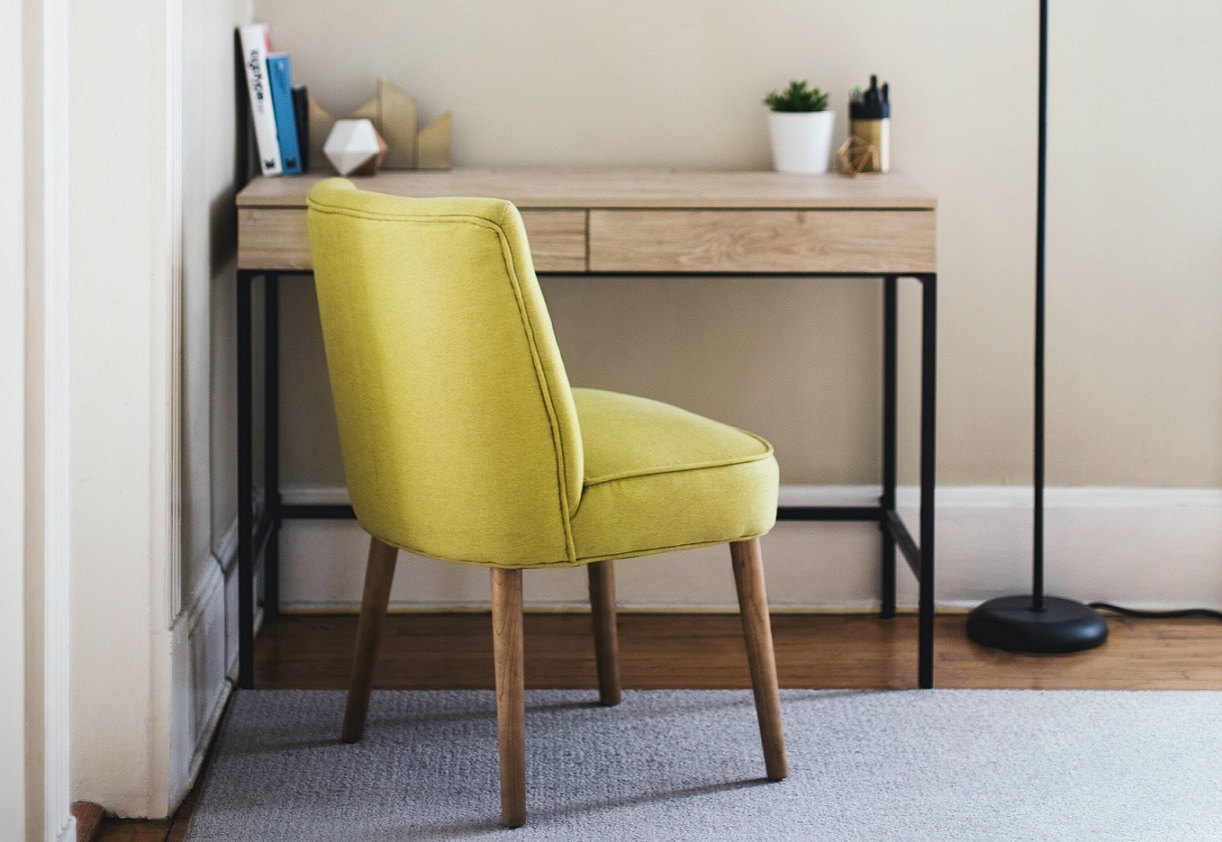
584,187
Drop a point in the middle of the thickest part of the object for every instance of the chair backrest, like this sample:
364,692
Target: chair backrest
456,421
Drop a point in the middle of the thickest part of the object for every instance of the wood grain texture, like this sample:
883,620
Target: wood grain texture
557,239
757,632
379,575
510,668
277,239
601,576
612,187
706,651
89,818
273,238
678,241
133,830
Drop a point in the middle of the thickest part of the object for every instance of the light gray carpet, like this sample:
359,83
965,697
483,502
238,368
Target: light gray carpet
686,765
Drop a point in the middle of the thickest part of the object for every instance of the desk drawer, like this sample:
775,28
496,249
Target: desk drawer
880,241
276,238
557,239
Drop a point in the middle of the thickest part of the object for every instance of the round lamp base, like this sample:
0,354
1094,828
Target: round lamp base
1009,622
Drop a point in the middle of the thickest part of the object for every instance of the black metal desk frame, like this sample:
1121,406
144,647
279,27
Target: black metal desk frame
895,533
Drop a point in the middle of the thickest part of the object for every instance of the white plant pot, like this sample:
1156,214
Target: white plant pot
801,140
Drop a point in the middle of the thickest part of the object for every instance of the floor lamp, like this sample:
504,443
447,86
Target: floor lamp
1035,622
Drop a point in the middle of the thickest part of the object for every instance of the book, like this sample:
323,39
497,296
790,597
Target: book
248,164
301,110
280,75
254,58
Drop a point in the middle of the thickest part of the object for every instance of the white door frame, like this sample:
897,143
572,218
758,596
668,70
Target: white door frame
33,423
125,541
12,433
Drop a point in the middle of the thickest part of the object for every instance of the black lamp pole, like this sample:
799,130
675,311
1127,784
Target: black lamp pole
1038,623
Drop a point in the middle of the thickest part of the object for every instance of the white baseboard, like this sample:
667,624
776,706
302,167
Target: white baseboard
199,685
67,833
206,660
1145,547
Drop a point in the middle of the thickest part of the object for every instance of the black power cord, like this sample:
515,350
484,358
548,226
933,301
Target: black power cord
1202,613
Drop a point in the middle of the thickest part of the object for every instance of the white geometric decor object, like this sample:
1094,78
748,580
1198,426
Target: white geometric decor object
354,147
393,113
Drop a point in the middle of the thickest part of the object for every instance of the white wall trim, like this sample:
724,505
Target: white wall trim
168,674
226,553
13,283
1101,544
908,496
1010,496
202,685
314,495
205,658
57,538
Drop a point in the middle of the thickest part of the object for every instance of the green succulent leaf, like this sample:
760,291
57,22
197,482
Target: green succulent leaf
797,97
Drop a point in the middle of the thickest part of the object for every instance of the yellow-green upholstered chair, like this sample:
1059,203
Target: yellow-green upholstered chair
463,441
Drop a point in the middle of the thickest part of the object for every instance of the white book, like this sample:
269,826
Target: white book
258,84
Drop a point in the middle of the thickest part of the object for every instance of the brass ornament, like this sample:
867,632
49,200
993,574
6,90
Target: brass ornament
859,156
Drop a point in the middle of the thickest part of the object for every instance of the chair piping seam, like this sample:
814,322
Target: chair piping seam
676,469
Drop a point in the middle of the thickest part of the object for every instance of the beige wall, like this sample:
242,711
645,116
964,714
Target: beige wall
1135,250
1135,246
209,223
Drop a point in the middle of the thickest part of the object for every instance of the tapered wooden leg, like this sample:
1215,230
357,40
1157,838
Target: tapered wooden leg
379,574
606,638
510,692
753,606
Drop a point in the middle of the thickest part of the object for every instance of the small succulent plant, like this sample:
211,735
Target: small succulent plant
797,97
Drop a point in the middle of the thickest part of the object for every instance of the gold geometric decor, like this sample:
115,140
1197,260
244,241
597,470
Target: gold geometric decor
858,156
393,113
433,145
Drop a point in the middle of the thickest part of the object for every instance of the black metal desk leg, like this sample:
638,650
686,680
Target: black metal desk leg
929,392
890,330
271,444
246,565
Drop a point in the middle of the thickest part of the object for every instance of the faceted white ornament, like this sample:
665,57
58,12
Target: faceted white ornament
352,145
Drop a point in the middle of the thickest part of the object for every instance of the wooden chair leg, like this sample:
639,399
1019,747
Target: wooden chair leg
606,638
753,606
379,574
510,692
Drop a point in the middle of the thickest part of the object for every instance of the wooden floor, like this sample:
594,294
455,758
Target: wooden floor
706,651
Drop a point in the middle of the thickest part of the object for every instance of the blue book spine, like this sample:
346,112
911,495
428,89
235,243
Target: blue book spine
282,104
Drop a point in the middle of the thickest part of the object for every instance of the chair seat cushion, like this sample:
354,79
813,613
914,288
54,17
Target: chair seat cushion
658,478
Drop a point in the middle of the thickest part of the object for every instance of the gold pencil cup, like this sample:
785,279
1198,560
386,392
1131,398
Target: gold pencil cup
876,133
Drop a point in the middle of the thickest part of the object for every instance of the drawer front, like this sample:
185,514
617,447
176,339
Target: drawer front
557,239
882,241
273,238
276,238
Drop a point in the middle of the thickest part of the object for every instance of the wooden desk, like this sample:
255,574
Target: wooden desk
629,222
